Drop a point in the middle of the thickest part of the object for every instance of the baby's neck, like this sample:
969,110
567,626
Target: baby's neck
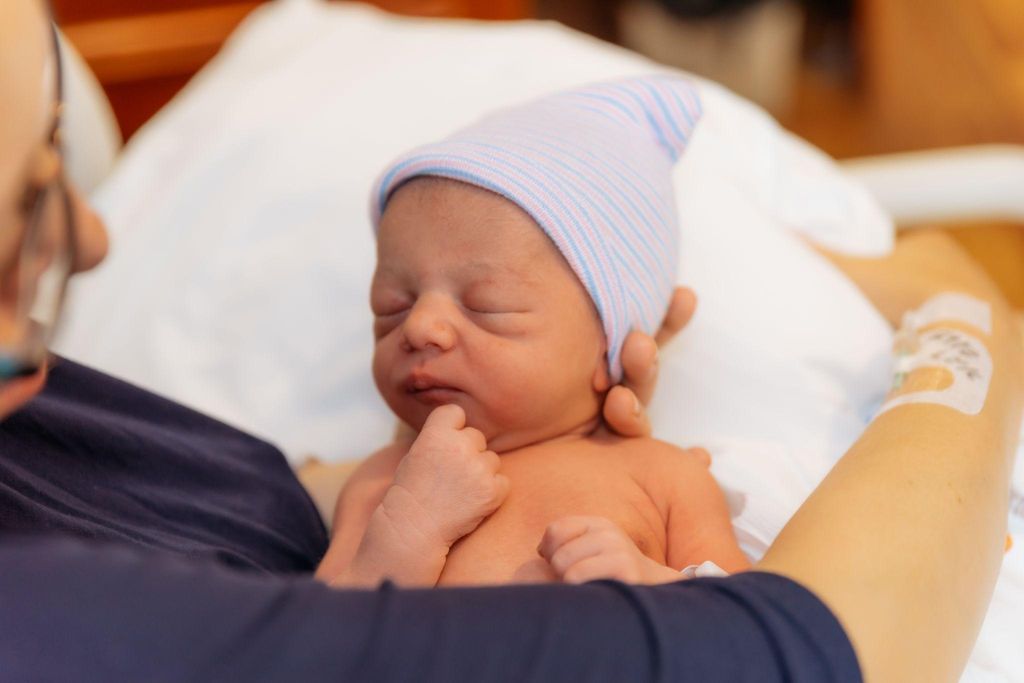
581,431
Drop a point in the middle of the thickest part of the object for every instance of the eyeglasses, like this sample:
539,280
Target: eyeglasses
32,288
33,284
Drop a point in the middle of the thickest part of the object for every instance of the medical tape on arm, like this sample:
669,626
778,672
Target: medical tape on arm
961,354
704,569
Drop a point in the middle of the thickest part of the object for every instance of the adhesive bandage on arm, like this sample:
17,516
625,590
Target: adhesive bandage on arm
960,363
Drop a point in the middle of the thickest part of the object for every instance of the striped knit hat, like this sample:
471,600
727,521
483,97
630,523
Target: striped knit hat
593,168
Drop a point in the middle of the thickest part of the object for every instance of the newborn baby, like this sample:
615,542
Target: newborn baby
513,259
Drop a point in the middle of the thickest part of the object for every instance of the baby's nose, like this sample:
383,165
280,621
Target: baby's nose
430,324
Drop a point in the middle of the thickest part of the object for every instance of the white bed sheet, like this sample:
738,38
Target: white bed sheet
242,256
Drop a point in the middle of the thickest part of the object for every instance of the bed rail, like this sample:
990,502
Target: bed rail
958,184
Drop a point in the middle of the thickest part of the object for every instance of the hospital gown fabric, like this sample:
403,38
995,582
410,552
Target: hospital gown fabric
144,542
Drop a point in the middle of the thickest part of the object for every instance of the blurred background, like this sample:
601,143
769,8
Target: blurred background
854,77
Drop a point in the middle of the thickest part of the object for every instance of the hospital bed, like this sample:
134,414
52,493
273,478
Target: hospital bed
242,253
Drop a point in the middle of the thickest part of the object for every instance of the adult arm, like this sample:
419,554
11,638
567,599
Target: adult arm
904,538
78,611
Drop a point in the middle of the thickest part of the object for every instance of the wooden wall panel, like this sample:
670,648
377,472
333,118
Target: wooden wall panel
76,11
144,51
944,72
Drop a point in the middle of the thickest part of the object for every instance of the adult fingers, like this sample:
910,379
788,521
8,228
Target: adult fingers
680,310
624,413
640,365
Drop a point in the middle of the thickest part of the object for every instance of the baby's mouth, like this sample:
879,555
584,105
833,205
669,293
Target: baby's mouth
430,391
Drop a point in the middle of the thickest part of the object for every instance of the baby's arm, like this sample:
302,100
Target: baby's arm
698,524
362,493
698,528
407,511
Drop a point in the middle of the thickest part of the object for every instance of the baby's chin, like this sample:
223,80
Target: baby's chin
502,436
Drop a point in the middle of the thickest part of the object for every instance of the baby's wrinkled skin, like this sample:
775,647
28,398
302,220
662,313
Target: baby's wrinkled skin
487,343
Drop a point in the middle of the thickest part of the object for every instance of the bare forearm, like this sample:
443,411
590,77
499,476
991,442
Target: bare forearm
922,264
904,538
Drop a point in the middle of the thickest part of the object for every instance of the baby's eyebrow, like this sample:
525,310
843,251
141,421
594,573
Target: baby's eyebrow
496,271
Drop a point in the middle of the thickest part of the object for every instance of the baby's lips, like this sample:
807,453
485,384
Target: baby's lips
419,380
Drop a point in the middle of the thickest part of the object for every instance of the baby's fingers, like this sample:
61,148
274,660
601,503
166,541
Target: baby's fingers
491,461
501,488
578,549
595,568
446,417
561,532
476,439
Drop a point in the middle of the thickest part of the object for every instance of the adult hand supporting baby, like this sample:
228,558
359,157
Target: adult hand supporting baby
624,405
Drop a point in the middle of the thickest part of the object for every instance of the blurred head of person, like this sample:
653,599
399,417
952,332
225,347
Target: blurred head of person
47,231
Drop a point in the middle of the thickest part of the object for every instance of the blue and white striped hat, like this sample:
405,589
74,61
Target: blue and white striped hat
593,168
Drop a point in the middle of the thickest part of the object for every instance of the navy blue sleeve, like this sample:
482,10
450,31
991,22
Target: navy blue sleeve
71,610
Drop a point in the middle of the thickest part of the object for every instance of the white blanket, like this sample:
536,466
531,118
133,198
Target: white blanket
242,256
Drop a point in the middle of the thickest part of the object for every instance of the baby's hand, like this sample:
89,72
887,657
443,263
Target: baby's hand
581,549
450,476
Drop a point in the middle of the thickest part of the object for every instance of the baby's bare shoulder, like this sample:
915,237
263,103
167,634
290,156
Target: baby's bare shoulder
656,453
661,468
376,471
663,472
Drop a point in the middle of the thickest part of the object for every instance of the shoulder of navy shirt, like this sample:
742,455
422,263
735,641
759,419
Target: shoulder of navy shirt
98,458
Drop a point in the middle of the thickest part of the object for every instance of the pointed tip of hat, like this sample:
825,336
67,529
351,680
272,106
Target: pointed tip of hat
666,106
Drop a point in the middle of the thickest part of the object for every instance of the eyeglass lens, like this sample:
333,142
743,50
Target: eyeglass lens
32,289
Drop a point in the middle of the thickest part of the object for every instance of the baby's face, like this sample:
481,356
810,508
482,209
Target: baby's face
474,306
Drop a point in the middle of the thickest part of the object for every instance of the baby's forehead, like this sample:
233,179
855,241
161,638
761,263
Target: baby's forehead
435,226
445,211
456,197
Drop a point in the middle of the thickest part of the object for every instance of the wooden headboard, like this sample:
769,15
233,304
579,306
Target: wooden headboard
144,51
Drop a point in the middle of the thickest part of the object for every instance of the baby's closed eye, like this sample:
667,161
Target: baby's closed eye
492,309
490,302
388,313
389,301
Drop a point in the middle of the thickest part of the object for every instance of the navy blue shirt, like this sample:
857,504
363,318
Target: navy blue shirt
143,541
100,459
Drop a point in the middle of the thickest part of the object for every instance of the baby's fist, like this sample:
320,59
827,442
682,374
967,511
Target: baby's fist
581,549
451,475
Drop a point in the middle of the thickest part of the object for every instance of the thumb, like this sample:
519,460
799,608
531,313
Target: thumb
624,414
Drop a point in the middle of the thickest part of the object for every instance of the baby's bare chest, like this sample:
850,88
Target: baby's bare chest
547,483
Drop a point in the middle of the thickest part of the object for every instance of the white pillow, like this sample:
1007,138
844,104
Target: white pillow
242,254
90,134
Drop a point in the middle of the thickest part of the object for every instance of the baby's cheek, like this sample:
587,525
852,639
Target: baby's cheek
379,365
525,387
384,359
